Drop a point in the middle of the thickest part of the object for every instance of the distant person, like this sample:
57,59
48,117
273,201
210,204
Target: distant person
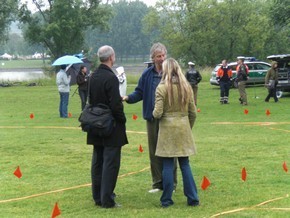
104,88
63,81
224,78
82,81
174,106
145,91
193,77
242,76
122,80
271,81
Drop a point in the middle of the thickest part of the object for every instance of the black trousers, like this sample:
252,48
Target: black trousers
83,95
104,172
225,88
272,93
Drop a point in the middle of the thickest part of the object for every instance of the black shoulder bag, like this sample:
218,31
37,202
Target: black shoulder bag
97,119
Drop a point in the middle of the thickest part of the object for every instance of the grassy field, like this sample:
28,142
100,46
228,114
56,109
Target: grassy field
55,160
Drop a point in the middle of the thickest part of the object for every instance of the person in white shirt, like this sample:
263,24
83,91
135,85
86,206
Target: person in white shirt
63,81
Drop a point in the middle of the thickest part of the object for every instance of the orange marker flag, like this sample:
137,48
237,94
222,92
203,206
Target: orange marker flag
55,211
17,172
268,112
198,110
140,149
134,117
69,115
246,111
31,116
205,183
285,167
244,174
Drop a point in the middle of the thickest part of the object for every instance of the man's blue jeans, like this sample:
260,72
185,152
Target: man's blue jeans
189,186
63,104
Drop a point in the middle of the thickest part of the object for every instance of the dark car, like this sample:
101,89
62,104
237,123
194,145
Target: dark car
257,71
283,61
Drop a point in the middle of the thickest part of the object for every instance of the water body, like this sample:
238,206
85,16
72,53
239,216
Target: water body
21,75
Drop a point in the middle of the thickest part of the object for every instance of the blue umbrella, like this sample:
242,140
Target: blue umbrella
66,60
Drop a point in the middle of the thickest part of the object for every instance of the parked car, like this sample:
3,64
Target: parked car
257,71
283,61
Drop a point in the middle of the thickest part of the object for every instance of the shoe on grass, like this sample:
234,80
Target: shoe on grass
154,190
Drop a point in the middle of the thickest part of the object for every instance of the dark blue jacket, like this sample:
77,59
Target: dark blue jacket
145,91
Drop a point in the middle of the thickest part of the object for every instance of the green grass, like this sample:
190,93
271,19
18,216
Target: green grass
52,157
6,64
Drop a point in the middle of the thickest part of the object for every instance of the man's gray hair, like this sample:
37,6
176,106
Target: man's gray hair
105,52
157,47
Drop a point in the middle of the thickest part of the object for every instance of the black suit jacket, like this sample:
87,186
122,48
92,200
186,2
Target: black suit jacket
104,88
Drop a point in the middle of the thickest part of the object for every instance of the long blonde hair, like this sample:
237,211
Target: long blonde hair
172,74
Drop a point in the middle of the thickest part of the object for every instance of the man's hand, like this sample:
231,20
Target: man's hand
125,98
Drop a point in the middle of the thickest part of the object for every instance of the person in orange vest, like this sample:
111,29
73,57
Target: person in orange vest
224,78
242,76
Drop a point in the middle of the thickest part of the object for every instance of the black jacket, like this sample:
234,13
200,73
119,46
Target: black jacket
104,88
193,76
82,81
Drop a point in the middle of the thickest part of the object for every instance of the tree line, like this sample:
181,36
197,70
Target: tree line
203,31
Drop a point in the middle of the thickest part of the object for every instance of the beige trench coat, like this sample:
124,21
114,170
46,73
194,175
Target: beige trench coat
175,137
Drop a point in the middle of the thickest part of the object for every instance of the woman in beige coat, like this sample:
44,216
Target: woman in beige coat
174,106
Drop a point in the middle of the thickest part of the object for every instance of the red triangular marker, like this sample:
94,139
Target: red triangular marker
205,183
246,111
55,211
198,110
69,115
244,174
140,148
17,172
285,167
134,117
268,112
31,116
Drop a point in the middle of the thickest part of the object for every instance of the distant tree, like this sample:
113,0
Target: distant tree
60,25
280,11
125,33
211,30
8,10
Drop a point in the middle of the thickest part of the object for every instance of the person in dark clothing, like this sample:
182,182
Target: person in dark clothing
145,91
193,77
242,77
271,81
104,88
224,78
82,81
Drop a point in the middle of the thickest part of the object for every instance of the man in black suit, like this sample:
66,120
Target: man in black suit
104,88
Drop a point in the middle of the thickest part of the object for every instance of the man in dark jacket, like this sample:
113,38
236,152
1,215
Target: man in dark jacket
145,91
104,88
193,77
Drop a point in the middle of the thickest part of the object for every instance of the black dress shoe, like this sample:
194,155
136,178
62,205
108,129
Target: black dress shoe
98,204
116,205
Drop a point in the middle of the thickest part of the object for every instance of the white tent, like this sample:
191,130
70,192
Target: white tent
6,56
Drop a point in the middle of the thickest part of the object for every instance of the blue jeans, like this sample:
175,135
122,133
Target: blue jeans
64,96
189,186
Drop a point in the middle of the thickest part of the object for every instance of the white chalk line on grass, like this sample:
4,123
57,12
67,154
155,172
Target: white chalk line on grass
66,189
57,127
255,207
251,123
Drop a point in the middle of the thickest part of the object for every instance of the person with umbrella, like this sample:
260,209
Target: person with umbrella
82,81
63,81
